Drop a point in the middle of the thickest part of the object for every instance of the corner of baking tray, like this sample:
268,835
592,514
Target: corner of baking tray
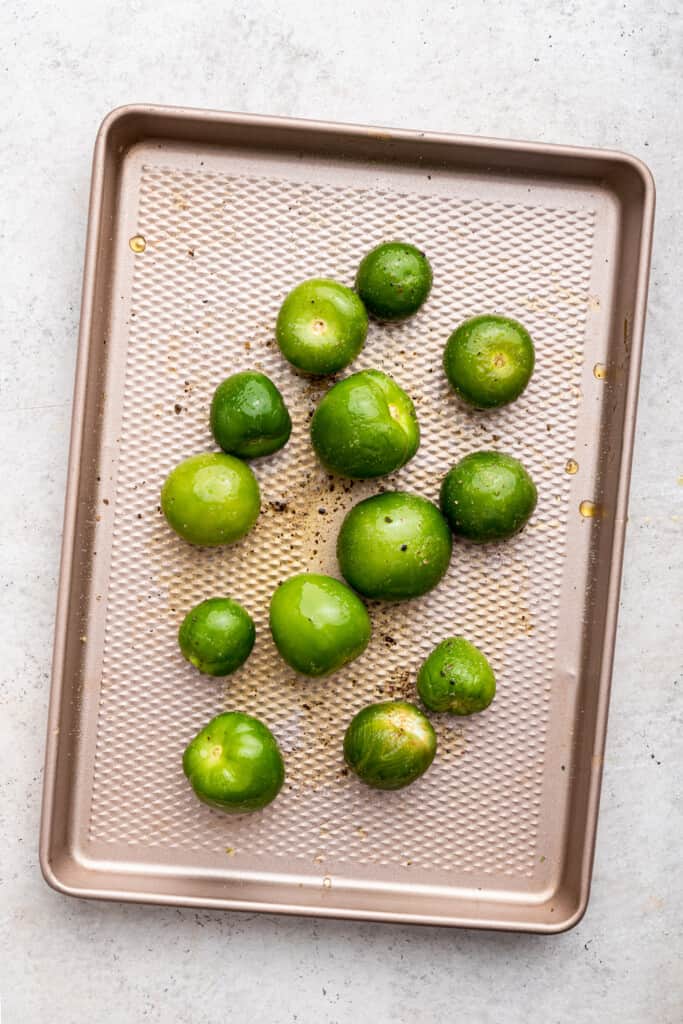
53,868
636,173
124,125
642,170
48,872
575,915
116,117
65,869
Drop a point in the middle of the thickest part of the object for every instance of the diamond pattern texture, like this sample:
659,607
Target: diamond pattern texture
221,253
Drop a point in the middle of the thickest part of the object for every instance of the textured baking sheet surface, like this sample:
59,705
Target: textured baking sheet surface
221,252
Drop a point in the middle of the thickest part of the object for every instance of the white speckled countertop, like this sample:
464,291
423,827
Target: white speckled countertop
593,73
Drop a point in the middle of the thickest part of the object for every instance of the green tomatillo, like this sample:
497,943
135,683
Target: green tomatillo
487,496
248,416
211,499
394,546
390,744
365,426
393,280
488,361
321,326
456,677
217,636
318,624
234,764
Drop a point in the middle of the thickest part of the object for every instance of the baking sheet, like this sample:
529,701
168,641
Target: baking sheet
200,223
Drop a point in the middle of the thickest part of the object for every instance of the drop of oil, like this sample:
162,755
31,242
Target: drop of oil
137,243
590,510
600,371
571,467
327,882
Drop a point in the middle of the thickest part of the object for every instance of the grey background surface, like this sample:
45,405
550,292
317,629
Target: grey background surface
594,73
